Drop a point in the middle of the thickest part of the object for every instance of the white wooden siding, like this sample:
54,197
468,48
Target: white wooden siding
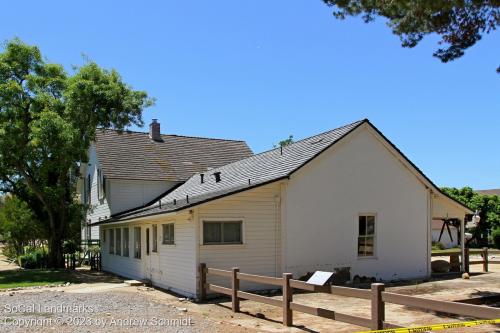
324,199
260,252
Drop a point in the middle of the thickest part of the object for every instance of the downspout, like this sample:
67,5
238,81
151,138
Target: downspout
277,207
429,232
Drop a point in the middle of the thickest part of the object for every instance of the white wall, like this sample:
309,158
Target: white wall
260,252
173,267
325,198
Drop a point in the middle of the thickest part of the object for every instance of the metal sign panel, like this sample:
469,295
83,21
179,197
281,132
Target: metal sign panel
320,278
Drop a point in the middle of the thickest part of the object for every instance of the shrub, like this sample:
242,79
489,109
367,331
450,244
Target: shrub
94,249
438,246
495,235
35,259
70,247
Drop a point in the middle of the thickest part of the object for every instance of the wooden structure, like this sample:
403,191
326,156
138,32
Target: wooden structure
377,295
484,252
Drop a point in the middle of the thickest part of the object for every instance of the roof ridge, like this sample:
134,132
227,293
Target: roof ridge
175,135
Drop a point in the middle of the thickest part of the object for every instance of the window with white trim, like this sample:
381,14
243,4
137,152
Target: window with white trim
366,235
155,238
168,234
222,232
111,241
118,247
126,251
137,242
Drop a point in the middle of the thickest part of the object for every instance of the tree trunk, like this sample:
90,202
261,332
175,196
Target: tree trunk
56,258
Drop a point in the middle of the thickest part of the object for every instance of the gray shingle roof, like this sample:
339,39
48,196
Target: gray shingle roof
489,192
244,174
133,155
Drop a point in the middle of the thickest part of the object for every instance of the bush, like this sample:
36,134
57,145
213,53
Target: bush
35,259
70,247
495,235
438,246
9,250
94,249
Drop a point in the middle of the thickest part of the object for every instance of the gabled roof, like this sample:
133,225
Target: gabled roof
255,171
133,155
247,173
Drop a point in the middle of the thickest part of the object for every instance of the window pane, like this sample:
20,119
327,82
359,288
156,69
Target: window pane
168,233
361,246
111,241
362,225
137,242
369,242
118,247
232,232
125,242
212,232
370,225
155,238
147,241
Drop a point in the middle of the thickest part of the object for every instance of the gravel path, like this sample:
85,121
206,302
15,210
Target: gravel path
114,310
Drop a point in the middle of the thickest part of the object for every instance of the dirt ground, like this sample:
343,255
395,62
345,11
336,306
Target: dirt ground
114,300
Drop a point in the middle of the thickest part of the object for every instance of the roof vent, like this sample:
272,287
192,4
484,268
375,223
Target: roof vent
217,177
154,130
202,178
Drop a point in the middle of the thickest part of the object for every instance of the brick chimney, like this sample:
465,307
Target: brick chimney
154,130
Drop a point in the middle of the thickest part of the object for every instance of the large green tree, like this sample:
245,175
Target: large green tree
459,23
48,119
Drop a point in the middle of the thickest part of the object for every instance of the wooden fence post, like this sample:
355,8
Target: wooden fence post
287,299
203,281
466,260
235,286
485,259
378,306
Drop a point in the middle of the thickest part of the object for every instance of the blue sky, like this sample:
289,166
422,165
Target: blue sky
261,70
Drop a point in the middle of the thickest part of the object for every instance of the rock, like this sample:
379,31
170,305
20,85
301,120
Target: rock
466,276
68,283
260,315
182,309
440,266
11,294
181,299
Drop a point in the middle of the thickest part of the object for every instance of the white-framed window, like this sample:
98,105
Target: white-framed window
118,247
126,251
111,241
155,238
366,235
137,242
168,234
101,185
222,232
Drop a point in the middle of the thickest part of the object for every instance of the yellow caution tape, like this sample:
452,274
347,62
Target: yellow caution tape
437,327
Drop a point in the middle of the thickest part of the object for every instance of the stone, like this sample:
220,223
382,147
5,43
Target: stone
440,266
466,276
260,315
182,309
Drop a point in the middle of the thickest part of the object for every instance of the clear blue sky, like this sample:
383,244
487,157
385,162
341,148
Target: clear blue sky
261,70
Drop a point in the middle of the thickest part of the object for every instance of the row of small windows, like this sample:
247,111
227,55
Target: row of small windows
214,232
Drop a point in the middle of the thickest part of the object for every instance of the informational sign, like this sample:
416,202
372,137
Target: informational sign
320,278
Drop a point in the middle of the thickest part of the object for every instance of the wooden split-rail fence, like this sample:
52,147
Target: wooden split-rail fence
455,255
377,295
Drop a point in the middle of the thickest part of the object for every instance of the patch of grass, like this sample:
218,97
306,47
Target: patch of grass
34,277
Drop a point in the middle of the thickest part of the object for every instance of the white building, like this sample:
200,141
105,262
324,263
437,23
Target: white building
347,198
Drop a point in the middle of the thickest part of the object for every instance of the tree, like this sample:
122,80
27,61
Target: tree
48,119
285,142
487,205
459,23
18,224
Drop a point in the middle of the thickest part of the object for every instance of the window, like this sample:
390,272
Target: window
155,238
101,185
224,232
137,242
168,234
147,241
366,236
118,247
111,241
89,190
125,242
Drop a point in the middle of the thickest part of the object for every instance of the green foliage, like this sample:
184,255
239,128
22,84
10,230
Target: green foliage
285,142
48,118
495,235
460,24
488,205
18,224
94,249
35,258
35,277
70,247
438,246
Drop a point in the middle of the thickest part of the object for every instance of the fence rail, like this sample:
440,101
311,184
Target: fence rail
484,252
377,295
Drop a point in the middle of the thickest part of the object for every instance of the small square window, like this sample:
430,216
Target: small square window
223,232
168,234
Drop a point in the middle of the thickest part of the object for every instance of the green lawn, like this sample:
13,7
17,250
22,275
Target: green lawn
34,277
